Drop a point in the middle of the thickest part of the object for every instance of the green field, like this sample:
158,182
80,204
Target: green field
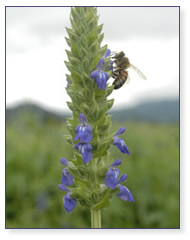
33,172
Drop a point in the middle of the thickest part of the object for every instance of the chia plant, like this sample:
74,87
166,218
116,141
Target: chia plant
91,177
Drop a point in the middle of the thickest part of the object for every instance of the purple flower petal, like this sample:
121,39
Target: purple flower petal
120,131
63,188
117,162
82,118
122,178
107,54
104,80
125,194
110,66
111,178
100,77
93,74
77,145
69,203
67,178
101,80
84,133
100,65
64,161
86,151
77,136
87,156
120,144
77,128
88,147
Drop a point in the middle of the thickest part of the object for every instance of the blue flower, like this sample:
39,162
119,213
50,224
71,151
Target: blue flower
119,142
112,175
64,162
69,202
83,131
125,194
100,77
86,151
67,180
111,181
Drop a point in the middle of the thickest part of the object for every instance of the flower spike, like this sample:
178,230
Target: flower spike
91,177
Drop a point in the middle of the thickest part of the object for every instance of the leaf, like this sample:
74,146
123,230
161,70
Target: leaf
73,36
99,29
100,38
102,50
70,106
75,74
85,64
68,41
91,24
110,103
104,203
68,139
75,15
73,60
109,90
84,51
92,36
93,46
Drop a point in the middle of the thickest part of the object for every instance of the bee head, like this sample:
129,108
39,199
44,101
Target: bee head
119,55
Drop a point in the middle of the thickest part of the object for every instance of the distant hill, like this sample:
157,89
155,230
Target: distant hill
155,111
36,111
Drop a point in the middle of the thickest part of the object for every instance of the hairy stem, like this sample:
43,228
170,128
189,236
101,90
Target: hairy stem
96,218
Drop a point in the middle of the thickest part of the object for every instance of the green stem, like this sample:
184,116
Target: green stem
95,219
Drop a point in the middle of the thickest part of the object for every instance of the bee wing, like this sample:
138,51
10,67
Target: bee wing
141,75
128,79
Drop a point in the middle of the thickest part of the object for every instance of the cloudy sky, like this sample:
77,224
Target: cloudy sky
35,48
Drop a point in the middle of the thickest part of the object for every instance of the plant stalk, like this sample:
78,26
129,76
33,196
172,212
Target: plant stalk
96,218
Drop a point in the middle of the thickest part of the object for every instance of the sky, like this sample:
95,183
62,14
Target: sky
35,53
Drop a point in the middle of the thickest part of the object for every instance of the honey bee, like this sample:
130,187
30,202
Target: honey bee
120,74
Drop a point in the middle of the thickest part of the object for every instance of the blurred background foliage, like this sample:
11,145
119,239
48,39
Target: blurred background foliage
34,145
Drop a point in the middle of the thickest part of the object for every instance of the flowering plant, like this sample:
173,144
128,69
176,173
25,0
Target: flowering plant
91,177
